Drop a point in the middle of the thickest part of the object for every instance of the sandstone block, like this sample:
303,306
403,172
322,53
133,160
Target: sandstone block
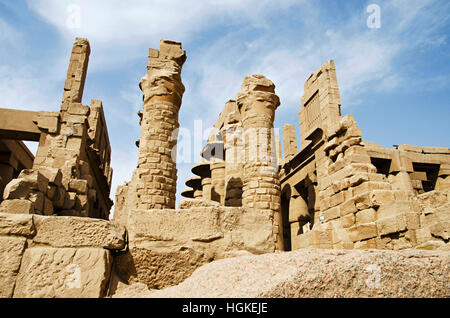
332,213
377,197
38,199
370,186
189,203
59,198
363,231
159,268
78,109
391,224
337,199
48,121
347,220
18,189
16,224
348,207
17,206
67,231
362,201
53,175
48,207
63,272
166,246
365,216
366,244
357,158
412,220
69,200
78,185
52,192
394,207
441,230
11,251
322,236
305,240
358,179
37,179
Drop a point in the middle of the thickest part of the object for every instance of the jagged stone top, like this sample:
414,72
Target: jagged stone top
260,88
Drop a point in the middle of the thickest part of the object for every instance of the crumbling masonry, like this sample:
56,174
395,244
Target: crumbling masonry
71,173
339,191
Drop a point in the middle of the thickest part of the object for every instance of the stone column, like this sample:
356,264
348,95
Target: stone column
162,93
257,103
218,180
206,188
233,147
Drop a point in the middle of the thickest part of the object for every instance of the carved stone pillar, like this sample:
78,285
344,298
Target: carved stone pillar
206,188
257,103
163,90
218,180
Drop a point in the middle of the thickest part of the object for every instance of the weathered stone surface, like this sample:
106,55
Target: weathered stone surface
63,272
11,250
53,175
37,179
68,231
16,224
18,206
165,246
159,267
189,203
316,273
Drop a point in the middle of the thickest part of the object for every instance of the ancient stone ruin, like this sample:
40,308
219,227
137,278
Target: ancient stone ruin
338,192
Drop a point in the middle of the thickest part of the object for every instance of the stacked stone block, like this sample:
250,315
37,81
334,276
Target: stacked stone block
257,103
73,153
289,141
358,207
233,148
162,93
54,256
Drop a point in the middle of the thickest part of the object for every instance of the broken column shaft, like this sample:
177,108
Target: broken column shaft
163,90
257,103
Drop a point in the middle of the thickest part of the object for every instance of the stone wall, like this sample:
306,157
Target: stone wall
57,256
360,208
71,173
166,246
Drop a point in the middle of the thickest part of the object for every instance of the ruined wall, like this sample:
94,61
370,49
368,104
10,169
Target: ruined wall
339,191
321,102
71,173
360,208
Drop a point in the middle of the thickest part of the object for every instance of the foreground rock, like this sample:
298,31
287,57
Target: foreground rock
315,273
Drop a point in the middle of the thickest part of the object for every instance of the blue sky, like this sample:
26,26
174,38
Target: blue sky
394,79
